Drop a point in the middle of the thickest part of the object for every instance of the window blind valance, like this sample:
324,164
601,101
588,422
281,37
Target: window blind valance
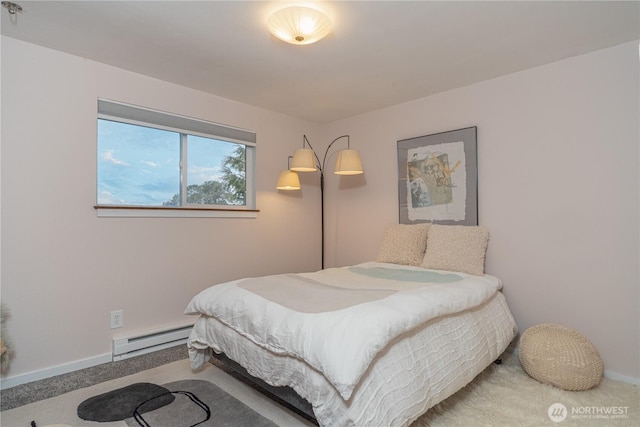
173,122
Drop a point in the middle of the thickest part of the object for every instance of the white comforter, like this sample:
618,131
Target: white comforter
342,343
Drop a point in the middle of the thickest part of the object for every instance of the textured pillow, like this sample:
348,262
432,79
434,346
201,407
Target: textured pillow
457,248
404,244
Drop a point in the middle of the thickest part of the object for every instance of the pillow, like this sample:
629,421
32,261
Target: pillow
457,248
404,244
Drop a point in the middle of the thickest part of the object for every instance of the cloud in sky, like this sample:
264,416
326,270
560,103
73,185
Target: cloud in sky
108,157
108,198
201,174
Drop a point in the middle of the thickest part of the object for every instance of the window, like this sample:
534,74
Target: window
151,160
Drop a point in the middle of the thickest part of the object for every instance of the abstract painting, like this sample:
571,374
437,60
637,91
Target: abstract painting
438,178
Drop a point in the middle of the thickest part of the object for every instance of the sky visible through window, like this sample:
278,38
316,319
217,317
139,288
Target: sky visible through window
141,166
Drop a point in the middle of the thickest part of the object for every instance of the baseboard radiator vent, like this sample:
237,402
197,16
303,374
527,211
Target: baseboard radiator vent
125,347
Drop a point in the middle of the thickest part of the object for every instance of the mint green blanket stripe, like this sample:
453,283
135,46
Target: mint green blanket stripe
406,275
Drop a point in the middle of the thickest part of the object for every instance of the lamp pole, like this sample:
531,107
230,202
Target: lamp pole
321,167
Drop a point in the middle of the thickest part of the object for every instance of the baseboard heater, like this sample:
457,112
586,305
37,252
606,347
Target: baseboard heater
132,345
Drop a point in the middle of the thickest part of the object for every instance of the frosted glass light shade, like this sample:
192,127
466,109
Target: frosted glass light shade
288,180
304,160
299,24
348,162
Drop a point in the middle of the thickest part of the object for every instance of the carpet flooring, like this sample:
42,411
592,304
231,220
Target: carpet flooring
503,395
62,409
60,384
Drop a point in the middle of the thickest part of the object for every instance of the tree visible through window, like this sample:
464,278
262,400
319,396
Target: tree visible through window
228,190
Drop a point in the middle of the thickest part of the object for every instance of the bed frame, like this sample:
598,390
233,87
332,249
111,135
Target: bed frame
285,396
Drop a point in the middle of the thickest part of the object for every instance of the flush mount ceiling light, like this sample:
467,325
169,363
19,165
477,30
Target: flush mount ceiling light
13,8
299,24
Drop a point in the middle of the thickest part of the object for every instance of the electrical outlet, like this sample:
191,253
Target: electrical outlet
117,319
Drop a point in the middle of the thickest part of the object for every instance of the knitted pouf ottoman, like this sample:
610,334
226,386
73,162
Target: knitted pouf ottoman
557,355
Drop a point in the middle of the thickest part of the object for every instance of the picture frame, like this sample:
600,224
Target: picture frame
438,178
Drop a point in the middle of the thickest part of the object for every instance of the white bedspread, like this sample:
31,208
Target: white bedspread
418,370
342,343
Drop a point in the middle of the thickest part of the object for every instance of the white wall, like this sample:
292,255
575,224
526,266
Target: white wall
558,176
558,186
64,269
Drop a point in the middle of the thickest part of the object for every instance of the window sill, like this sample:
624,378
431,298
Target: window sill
172,212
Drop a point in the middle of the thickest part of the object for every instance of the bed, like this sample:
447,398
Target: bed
377,343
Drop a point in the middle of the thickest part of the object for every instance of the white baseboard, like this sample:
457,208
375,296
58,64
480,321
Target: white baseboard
619,377
53,371
607,374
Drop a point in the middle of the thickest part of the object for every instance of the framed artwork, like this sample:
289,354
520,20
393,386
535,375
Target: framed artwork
438,178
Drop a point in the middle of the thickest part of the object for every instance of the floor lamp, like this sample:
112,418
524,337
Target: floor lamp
304,159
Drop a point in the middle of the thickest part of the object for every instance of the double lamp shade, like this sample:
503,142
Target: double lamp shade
348,162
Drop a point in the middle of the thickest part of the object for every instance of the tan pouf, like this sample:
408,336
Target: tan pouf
557,355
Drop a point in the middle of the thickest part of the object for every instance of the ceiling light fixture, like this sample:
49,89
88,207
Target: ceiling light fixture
13,8
299,24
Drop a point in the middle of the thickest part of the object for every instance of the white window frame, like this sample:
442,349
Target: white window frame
140,116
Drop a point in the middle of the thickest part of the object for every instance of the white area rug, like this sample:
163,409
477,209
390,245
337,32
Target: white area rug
503,395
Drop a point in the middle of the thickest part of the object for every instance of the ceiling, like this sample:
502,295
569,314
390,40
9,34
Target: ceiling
380,53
